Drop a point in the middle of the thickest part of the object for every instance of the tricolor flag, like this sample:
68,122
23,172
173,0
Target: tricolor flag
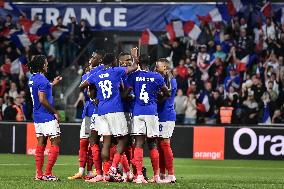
204,106
234,6
266,115
9,6
148,38
213,16
191,29
204,63
22,39
266,9
245,62
35,27
57,33
175,29
17,65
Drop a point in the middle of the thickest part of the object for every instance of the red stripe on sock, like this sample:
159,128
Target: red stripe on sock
124,163
83,152
39,159
96,152
89,159
138,160
154,156
162,162
169,157
52,157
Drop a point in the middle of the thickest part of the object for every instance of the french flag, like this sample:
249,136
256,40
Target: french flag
175,30
148,38
191,29
266,115
204,106
234,6
6,5
9,6
213,16
207,63
57,33
266,9
17,66
22,39
245,62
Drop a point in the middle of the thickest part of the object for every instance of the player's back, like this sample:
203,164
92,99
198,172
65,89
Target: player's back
145,85
166,109
107,82
38,82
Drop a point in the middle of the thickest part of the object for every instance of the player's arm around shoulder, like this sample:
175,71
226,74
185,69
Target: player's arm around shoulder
134,55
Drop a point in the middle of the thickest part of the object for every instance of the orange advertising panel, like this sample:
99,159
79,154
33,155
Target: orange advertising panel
32,141
208,143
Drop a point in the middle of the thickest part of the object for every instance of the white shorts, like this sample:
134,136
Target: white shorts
85,127
93,122
48,129
146,125
128,117
166,129
112,124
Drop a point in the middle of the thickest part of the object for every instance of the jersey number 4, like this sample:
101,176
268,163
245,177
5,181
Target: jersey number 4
106,87
143,94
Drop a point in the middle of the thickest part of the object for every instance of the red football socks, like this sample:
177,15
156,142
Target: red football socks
112,151
128,153
83,152
169,157
116,160
89,159
162,161
106,166
96,152
138,160
154,156
39,159
52,157
124,163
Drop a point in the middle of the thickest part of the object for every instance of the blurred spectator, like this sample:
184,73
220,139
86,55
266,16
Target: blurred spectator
9,22
3,106
79,105
250,107
13,92
190,109
180,105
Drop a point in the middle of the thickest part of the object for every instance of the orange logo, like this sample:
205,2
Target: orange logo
208,143
32,141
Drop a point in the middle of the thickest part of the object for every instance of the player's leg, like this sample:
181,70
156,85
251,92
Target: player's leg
152,124
166,132
39,156
105,155
138,158
162,163
52,127
83,150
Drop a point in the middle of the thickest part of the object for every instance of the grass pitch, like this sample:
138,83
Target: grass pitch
17,171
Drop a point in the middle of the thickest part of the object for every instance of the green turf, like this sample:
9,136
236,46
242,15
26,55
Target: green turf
17,171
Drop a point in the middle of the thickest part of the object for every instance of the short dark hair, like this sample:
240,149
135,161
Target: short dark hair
100,52
109,58
144,60
36,65
123,54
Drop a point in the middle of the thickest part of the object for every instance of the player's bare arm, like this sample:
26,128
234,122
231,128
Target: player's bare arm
134,55
46,104
56,80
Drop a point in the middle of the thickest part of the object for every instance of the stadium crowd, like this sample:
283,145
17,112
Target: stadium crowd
255,92
15,101
230,65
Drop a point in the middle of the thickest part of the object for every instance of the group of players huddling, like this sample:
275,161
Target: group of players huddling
126,105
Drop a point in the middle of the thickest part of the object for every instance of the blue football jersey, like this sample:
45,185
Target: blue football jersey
89,105
127,104
38,82
166,110
145,85
108,82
